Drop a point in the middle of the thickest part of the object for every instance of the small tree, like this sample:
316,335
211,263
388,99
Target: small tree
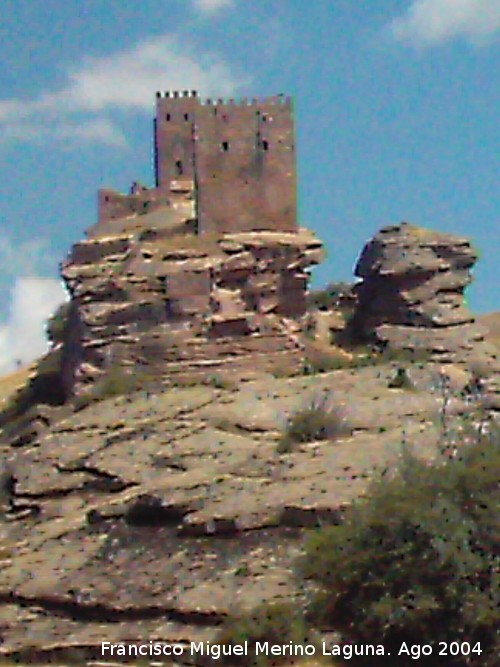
418,559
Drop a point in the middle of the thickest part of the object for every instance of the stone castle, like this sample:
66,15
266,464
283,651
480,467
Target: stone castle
206,271
159,514
236,158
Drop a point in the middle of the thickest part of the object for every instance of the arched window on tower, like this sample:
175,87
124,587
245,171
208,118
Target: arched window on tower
179,170
265,145
168,117
225,146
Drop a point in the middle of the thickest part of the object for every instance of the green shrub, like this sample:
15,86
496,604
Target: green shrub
116,382
401,380
220,381
407,356
315,421
277,623
329,297
419,560
45,387
58,324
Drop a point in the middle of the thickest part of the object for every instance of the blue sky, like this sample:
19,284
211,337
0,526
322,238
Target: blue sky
396,107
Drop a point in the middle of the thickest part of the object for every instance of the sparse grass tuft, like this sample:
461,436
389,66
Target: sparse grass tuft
322,359
116,382
283,369
219,381
317,420
277,623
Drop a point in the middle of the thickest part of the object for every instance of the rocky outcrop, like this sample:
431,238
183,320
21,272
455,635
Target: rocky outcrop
159,514
412,297
159,296
155,516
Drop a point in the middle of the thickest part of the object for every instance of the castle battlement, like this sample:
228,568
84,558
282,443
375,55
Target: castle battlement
176,94
173,95
278,100
238,153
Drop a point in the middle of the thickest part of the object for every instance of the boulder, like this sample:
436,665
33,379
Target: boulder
411,297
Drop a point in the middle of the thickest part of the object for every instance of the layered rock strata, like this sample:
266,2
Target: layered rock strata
157,295
157,515
412,297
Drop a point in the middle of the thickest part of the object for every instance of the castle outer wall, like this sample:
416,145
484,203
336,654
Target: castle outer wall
240,156
235,160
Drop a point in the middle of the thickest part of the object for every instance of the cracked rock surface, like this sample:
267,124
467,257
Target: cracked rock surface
161,298
158,514
412,297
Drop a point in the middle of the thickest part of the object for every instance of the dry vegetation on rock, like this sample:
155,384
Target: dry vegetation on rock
419,557
148,500
318,419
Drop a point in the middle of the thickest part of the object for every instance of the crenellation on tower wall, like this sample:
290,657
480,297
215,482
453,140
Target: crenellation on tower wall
210,263
245,167
239,154
275,100
174,140
175,94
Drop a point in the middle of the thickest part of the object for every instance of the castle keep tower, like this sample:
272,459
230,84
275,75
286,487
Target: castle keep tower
170,279
236,157
175,130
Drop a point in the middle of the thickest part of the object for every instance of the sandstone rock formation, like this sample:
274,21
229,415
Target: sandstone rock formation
148,292
491,322
412,297
157,515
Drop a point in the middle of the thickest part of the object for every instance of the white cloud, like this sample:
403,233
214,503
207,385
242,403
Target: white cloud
23,258
429,22
125,81
98,130
22,335
27,299
211,6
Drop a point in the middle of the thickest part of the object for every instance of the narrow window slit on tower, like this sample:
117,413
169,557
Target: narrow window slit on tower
178,168
265,145
168,116
225,146
186,116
